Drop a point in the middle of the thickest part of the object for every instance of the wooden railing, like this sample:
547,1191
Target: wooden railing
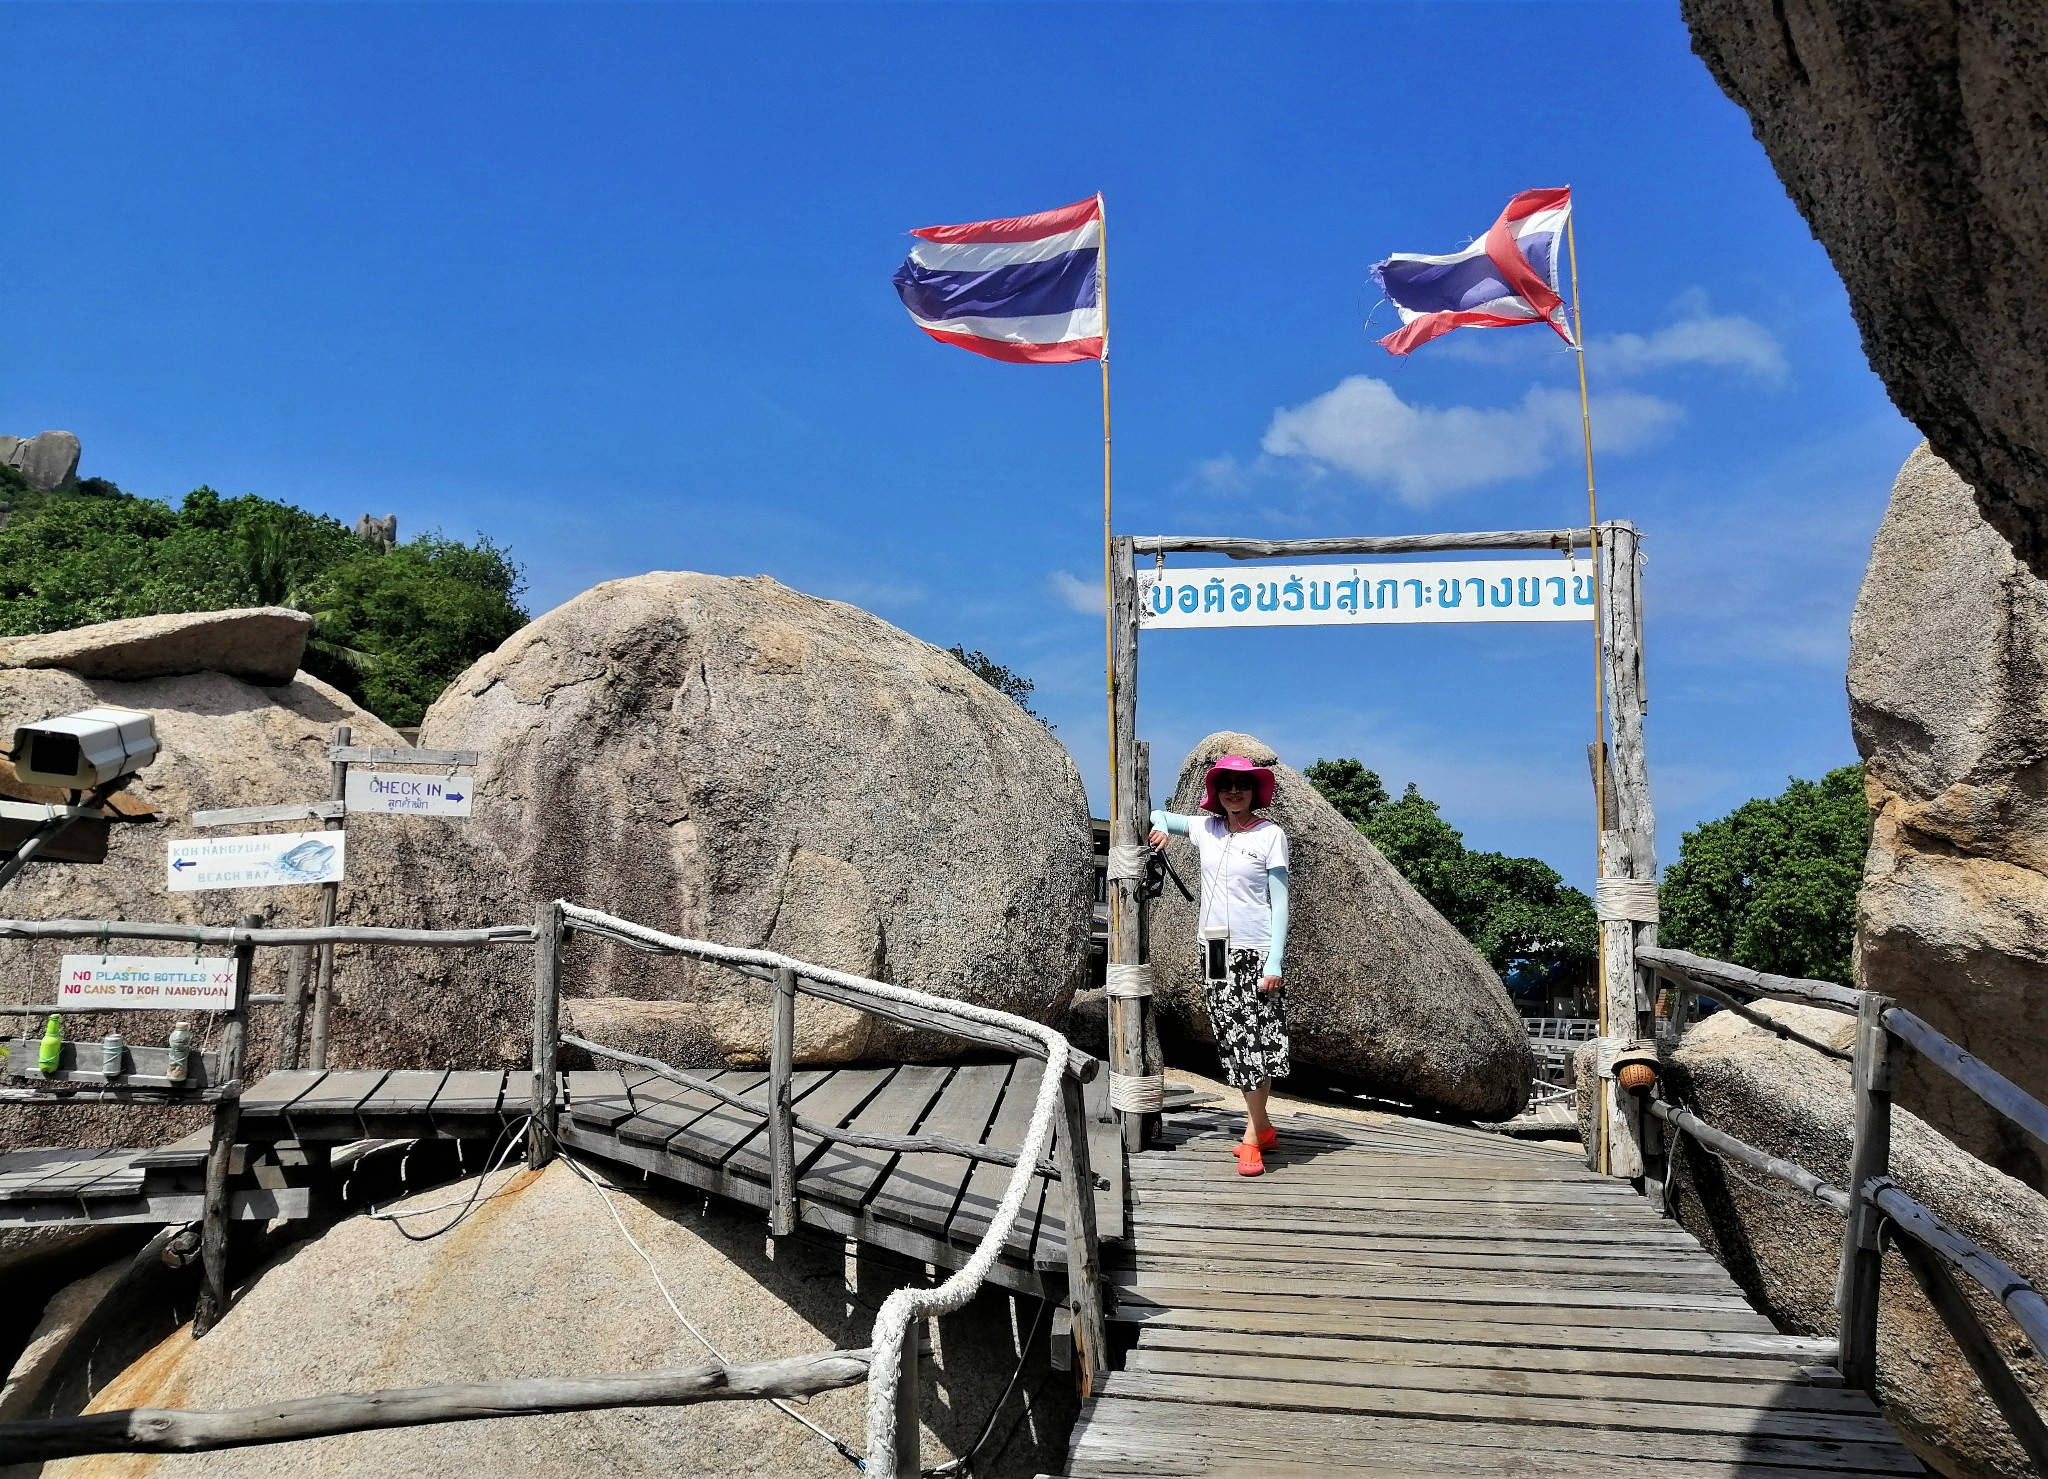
1872,1202
893,1384
889,1368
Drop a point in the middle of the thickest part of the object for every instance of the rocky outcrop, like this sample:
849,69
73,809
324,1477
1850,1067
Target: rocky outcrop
47,462
1380,988
1782,1248
538,1281
227,743
1948,695
261,645
735,761
1909,135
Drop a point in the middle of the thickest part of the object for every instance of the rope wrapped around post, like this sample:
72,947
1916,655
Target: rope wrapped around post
1630,899
904,1306
1129,861
1133,1093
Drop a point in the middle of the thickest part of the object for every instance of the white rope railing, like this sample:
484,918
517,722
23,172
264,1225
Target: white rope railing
900,1309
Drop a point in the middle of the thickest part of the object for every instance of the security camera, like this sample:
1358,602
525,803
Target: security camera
86,749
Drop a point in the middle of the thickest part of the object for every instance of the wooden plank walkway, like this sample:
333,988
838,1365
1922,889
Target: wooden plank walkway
929,1206
1418,1299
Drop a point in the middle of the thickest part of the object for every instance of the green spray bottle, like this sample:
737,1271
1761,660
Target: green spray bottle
51,1056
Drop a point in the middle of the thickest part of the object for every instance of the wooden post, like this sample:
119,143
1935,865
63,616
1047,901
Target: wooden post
220,1149
330,897
1629,850
547,1033
291,1017
907,1462
1154,1052
1084,1248
781,1133
1870,1156
1126,1014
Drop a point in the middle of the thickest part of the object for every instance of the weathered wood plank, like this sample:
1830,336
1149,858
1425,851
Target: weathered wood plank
923,1188
849,1174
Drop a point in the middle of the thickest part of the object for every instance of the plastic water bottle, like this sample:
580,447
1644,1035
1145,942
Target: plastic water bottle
113,1048
178,1053
51,1057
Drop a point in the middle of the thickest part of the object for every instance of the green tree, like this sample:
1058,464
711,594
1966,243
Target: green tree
391,628
1515,911
1006,681
1773,884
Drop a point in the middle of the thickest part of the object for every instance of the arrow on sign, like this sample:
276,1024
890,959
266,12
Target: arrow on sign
452,795
183,863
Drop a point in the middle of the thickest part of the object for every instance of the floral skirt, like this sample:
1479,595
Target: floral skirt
1250,1024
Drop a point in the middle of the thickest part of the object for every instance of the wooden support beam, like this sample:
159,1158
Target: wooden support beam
1701,971
200,934
1860,1277
291,1022
2018,1297
1395,544
781,1132
1724,1144
220,1149
344,753
162,1430
906,1460
1629,850
1127,1015
2013,1401
1083,1244
243,816
547,1032
330,902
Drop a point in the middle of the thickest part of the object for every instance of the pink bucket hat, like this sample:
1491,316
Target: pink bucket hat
1262,779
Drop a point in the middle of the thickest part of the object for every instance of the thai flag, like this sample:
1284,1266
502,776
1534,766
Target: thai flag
1027,289
1507,277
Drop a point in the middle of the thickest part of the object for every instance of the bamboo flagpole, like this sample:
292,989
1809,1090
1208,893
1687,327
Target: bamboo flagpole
1108,562
1600,760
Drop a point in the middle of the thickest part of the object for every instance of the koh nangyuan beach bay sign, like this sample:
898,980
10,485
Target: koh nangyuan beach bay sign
1363,595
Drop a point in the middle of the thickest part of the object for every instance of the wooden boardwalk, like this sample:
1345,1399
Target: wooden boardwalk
1418,1299
930,1206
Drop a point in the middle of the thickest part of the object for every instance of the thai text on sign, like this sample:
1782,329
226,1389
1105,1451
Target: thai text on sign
152,983
1366,595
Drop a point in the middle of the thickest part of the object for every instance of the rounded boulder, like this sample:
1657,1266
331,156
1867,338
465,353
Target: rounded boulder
731,760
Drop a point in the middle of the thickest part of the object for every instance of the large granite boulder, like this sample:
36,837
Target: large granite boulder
1948,694
227,742
733,760
48,461
1782,1248
539,1281
261,645
1380,988
1909,135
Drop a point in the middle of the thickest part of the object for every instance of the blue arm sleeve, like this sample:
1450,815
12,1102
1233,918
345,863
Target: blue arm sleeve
1171,821
1276,892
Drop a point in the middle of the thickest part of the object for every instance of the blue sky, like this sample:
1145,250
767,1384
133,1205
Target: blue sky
611,285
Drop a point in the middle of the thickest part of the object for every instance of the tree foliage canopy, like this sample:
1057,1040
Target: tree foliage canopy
392,628
1515,911
1773,884
1010,683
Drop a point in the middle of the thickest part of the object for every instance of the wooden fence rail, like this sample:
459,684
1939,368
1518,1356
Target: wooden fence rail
165,1430
1877,1210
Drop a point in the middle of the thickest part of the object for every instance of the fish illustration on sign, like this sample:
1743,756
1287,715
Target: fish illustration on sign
308,862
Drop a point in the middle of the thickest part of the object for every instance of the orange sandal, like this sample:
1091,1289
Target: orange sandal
1270,1140
1249,1161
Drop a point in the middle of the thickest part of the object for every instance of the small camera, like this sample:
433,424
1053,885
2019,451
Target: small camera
82,750
1215,956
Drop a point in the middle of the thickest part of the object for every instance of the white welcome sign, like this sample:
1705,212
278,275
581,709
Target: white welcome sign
1367,594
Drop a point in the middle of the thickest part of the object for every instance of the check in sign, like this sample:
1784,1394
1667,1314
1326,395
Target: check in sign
409,793
148,983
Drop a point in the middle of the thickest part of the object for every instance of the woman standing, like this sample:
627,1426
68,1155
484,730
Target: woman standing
1244,904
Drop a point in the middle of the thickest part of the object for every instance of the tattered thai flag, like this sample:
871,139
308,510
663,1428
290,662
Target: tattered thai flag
1507,277
1026,289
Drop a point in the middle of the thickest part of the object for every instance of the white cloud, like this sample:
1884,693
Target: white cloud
1075,593
1364,428
1725,342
